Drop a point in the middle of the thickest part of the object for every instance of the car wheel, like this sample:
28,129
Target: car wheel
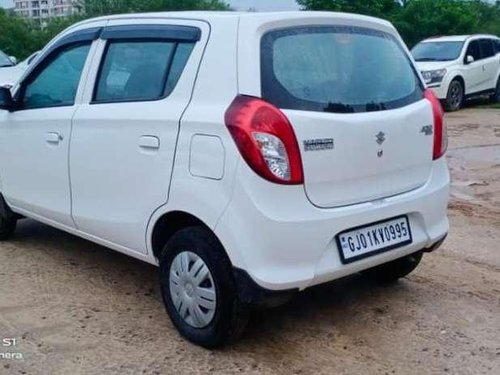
496,96
455,97
199,290
395,270
7,227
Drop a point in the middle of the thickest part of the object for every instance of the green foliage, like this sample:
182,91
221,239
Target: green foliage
20,37
419,19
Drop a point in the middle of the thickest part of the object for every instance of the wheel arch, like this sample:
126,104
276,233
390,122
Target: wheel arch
460,79
168,224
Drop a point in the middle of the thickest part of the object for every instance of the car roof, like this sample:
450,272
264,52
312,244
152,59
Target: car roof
457,38
214,17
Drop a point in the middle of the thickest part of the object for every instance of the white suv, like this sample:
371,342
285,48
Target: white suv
459,67
250,156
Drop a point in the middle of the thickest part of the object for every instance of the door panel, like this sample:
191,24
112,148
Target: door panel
123,143
474,72
34,139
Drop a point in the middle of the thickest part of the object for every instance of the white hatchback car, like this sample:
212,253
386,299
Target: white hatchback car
460,67
250,156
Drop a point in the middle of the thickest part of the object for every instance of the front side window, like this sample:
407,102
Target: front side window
487,48
337,69
140,70
474,50
57,83
437,51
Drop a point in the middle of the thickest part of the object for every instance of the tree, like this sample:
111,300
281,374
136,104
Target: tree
20,37
419,19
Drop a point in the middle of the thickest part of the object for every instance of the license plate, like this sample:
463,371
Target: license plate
361,242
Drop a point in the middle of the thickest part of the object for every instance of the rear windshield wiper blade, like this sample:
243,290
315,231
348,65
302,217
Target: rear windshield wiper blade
338,108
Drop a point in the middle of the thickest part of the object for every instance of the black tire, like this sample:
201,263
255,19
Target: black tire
393,271
496,96
231,315
7,227
455,97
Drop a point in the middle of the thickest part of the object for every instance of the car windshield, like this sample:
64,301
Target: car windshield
4,60
337,69
437,51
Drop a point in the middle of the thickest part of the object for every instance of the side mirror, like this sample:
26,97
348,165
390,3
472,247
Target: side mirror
469,59
6,101
13,59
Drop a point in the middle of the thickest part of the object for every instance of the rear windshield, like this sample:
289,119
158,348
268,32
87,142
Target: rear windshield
336,69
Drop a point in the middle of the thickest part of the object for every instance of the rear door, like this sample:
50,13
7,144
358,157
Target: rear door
490,63
354,90
123,141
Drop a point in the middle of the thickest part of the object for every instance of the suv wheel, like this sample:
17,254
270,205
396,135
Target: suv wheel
199,290
7,227
455,97
395,270
496,96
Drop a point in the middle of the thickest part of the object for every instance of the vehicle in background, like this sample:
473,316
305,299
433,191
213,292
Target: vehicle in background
249,155
460,67
10,73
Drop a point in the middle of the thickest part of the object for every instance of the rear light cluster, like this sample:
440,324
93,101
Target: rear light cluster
440,131
265,139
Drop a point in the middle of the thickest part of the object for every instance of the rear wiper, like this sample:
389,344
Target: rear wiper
338,108
5,66
427,59
373,107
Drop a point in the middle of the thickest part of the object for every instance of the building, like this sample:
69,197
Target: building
43,9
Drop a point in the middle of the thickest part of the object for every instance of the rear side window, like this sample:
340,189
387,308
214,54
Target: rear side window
140,70
337,69
487,48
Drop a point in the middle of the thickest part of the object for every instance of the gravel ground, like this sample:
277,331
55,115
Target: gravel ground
77,308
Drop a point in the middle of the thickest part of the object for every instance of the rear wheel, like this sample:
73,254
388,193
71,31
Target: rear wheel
395,270
7,227
496,96
455,98
199,290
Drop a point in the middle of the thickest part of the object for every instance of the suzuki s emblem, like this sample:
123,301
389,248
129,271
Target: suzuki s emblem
380,137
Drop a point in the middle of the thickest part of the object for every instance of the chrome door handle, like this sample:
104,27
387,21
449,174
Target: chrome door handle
149,142
53,137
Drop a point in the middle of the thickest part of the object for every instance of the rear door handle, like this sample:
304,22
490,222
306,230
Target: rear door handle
149,142
53,137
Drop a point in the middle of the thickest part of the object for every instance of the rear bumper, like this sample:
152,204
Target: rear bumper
284,243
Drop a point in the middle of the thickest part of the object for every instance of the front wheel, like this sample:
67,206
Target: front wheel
393,271
199,290
455,97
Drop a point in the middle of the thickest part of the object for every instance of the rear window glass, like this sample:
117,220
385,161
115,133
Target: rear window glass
141,70
337,69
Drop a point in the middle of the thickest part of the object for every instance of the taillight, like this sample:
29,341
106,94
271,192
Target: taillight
265,139
440,132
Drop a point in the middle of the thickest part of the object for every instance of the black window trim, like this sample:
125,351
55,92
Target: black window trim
72,40
146,33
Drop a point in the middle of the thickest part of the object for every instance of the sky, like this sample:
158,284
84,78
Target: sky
236,4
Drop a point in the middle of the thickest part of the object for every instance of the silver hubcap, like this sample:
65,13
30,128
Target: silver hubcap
456,95
192,289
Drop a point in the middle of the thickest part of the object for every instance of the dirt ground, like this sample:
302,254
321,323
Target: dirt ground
77,308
